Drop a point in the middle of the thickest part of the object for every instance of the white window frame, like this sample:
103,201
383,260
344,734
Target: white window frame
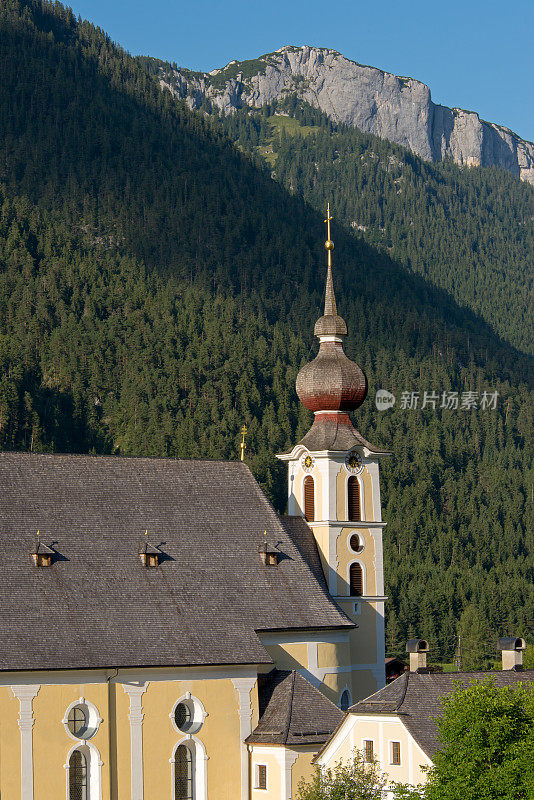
302,500
199,714
200,770
364,577
364,750
256,786
390,750
361,537
94,768
93,723
362,499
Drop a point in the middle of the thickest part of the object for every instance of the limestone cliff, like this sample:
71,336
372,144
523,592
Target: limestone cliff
392,107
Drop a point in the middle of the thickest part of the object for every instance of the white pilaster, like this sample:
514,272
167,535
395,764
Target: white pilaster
25,695
286,759
243,687
135,692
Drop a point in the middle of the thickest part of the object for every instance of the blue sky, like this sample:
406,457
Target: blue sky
473,54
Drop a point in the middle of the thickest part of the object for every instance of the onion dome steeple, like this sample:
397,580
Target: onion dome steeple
331,383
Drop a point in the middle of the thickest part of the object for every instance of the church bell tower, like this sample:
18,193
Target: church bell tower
334,483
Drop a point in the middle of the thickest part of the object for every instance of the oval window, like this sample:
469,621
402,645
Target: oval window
183,715
188,715
82,720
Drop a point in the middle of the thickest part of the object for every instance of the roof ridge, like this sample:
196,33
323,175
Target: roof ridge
290,714
406,676
124,457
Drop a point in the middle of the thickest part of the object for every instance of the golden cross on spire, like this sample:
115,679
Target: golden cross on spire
329,244
243,445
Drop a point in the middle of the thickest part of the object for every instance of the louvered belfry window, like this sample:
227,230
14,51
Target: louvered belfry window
356,580
353,490
309,498
77,776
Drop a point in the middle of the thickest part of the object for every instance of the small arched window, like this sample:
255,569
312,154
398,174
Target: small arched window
356,580
309,498
353,493
344,701
183,773
78,776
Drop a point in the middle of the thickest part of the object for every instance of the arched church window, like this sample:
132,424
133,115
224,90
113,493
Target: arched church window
344,701
356,580
183,773
309,498
353,492
78,776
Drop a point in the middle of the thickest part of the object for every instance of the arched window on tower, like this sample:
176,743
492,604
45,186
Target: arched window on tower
78,776
309,498
353,492
356,580
183,773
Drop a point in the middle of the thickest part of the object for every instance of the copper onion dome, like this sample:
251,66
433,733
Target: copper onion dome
331,382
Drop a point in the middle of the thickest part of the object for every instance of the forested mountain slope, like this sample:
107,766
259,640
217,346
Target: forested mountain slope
158,289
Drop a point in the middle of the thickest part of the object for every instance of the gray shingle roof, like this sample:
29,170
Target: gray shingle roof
416,698
98,606
332,433
293,712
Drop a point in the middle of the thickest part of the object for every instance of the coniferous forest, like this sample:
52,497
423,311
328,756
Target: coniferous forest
161,271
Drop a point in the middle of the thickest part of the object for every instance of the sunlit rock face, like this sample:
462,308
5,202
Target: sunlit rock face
395,108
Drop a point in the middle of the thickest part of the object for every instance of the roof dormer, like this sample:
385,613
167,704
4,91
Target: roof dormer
42,554
149,554
268,552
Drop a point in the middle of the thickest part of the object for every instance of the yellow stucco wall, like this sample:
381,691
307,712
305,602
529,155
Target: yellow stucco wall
333,654
52,743
265,756
9,744
346,555
290,655
221,725
303,768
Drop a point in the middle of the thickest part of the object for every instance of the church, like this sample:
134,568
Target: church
166,634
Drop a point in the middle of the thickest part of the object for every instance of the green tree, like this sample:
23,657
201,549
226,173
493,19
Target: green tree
487,751
355,780
472,644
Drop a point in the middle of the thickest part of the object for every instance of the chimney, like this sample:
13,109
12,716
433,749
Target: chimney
512,653
417,648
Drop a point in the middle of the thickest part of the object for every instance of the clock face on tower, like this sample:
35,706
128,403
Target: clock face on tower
308,462
354,462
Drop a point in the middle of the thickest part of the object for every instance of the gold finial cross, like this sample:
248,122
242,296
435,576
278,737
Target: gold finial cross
243,445
329,244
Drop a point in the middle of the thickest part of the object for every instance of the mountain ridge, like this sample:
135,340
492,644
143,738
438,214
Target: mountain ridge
393,107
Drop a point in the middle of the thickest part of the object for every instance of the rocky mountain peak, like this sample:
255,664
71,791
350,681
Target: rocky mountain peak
393,107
